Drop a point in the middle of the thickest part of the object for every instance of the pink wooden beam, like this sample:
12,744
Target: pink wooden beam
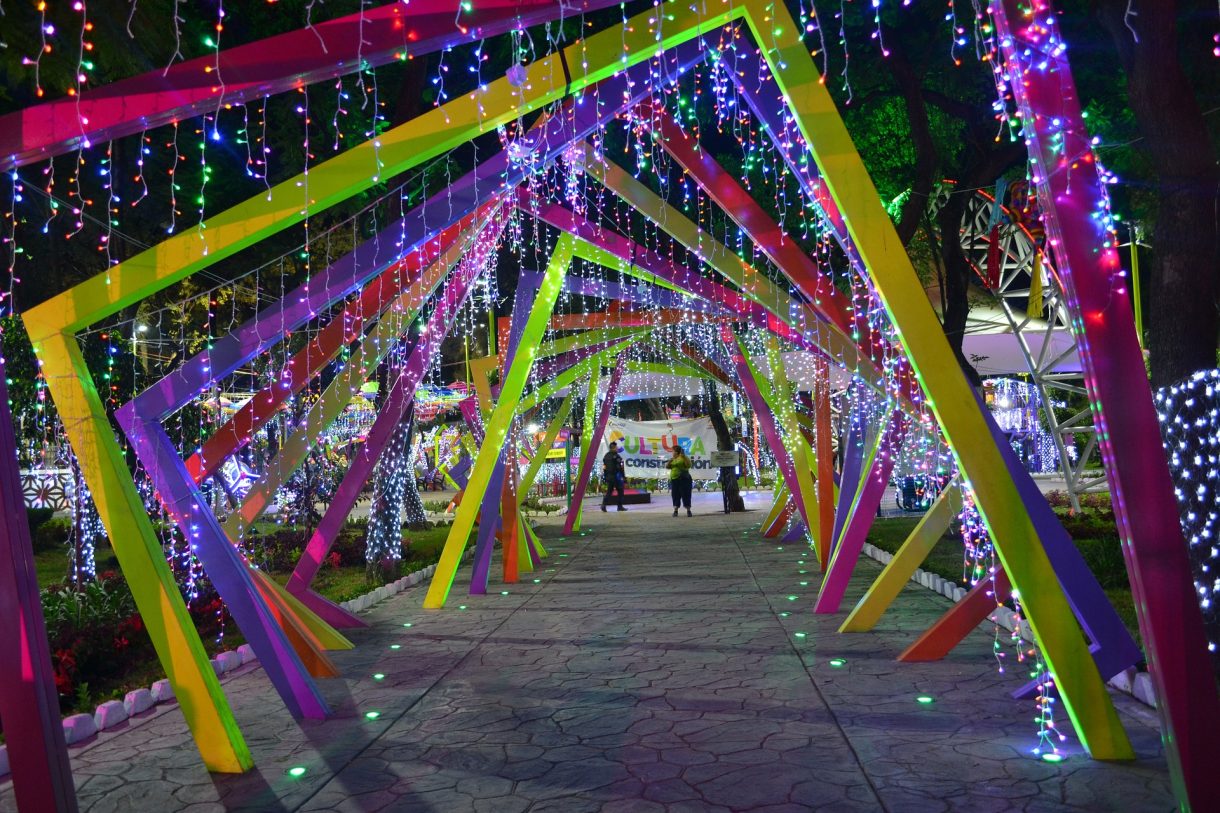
269,66
663,268
589,457
825,455
29,705
858,523
766,420
825,299
401,395
1072,192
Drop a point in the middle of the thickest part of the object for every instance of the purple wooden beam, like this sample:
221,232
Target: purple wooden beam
756,85
457,473
469,407
863,512
29,704
223,561
263,68
797,533
489,524
396,404
490,520
1112,646
586,465
849,479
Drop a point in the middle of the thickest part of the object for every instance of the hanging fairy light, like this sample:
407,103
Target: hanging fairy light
1189,414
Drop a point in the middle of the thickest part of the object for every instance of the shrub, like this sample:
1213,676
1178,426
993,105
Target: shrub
349,543
535,506
94,632
37,516
1058,499
51,534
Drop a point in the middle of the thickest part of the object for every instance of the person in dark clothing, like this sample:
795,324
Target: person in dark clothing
615,474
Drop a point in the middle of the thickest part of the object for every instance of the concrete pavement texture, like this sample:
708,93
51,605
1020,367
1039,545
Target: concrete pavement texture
652,664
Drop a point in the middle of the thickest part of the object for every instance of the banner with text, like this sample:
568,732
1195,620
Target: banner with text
647,445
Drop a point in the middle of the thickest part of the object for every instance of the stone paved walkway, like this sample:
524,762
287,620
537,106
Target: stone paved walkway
655,664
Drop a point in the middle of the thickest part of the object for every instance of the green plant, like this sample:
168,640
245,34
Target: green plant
52,533
83,697
436,506
535,506
37,516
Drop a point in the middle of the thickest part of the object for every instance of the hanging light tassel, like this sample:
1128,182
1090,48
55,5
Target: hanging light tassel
1035,310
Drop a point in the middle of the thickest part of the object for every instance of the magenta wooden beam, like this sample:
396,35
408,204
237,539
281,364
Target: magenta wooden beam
589,456
29,704
263,68
663,268
1072,193
862,513
399,399
766,420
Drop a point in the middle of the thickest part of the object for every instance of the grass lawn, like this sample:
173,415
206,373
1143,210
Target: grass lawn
420,549
52,565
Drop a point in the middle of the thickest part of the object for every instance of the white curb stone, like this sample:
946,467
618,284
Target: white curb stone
228,661
110,714
162,691
138,700
1124,680
79,727
4,766
247,653
1143,689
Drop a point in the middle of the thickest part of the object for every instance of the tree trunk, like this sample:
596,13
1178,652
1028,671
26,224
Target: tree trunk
724,442
955,308
413,506
1185,288
927,160
383,539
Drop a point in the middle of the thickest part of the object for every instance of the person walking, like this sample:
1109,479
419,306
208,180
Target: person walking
615,474
680,481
